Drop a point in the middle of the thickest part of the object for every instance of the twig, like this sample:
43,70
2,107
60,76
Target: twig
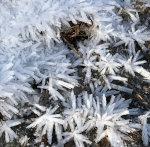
70,45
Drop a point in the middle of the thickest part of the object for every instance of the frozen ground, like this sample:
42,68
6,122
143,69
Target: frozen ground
74,73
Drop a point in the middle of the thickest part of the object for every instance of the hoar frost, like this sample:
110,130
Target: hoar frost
34,61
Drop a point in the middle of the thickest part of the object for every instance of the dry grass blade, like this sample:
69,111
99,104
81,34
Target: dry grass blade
70,45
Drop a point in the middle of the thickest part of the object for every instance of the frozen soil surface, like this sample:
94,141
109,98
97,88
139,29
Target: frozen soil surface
141,100
140,88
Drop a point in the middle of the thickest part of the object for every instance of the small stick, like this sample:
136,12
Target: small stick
70,45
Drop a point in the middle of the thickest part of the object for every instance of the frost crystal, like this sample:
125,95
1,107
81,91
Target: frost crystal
6,128
47,122
145,128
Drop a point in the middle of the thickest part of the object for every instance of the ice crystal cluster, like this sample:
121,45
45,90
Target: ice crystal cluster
88,98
